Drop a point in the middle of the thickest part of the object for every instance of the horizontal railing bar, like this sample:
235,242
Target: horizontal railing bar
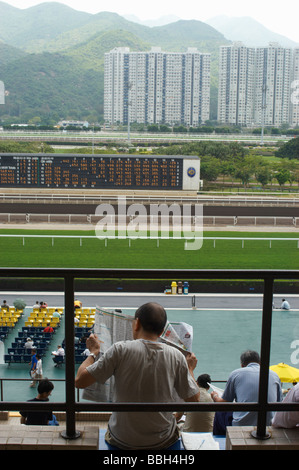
93,237
186,406
147,273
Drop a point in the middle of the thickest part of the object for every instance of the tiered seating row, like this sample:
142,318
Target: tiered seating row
85,317
10,317
34,327
43,317
4,330
18,353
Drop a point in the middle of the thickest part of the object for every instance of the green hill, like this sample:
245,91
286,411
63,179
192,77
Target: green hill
52,64
22,27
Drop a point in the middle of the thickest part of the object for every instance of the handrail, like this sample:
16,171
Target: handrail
71,407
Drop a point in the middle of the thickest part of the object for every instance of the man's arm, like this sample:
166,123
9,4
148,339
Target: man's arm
83,377
192,363
193,398
217,398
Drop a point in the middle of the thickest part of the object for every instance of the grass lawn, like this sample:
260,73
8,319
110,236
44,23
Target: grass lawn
170,254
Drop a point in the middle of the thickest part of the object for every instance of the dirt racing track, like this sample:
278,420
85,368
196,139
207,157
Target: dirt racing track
280,214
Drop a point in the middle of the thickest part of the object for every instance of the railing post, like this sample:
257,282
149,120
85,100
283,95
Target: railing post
70,432
261,430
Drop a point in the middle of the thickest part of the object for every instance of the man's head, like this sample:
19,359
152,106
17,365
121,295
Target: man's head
45,387
204,381
152,318
249,356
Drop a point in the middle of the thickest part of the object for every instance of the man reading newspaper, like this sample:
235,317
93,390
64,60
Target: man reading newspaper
144,370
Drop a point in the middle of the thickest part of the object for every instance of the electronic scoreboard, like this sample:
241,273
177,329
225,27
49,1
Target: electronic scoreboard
99,171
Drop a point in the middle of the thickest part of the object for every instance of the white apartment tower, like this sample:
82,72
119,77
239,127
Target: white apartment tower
273,85
157,87
295,90
236,85
255,85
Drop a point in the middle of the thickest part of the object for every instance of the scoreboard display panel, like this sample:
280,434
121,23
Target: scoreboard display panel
98,171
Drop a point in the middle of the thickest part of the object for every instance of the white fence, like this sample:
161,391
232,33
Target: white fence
92,219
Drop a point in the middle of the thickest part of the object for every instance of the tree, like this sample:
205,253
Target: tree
282,176
289,149
263,175
245,169
209,169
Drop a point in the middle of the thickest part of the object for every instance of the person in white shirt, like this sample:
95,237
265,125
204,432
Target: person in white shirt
39,368
285,305
288,419
28,344
58,354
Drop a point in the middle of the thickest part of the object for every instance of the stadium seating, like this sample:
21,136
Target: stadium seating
10,317
86,317
34,327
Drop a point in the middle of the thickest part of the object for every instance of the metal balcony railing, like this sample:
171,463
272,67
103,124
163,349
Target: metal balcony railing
70,406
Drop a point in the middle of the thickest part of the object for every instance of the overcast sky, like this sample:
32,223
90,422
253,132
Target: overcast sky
280,17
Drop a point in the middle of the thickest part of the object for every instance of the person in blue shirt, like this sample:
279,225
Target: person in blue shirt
243,387
33,366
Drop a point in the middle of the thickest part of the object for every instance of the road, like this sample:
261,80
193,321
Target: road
208,210
131,300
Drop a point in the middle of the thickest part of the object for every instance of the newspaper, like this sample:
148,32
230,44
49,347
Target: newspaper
199,441
112,326
178,334
216,389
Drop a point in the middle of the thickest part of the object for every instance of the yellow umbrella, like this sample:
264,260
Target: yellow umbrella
286,373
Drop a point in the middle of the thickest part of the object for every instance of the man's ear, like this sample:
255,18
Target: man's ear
136,325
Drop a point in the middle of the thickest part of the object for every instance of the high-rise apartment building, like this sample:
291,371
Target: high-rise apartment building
255,85
157,87
236,84
273,85
295,90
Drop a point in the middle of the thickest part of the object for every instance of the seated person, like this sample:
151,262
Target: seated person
58,355
285,305
199,421
77,304
29,344
5,306
288,419
44,389
144,370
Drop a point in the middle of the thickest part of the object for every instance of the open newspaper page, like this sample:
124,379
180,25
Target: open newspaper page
179,335
112,326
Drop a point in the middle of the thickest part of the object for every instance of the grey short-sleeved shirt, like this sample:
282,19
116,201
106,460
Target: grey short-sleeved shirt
144,371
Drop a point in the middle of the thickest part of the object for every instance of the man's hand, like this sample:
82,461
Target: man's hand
216,397
191,361
93,344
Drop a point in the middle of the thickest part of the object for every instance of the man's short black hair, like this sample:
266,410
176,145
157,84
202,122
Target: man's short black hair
152,317
249,356
45,386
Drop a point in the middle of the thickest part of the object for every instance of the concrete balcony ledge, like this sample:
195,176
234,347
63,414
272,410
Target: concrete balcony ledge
239,438
22,437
